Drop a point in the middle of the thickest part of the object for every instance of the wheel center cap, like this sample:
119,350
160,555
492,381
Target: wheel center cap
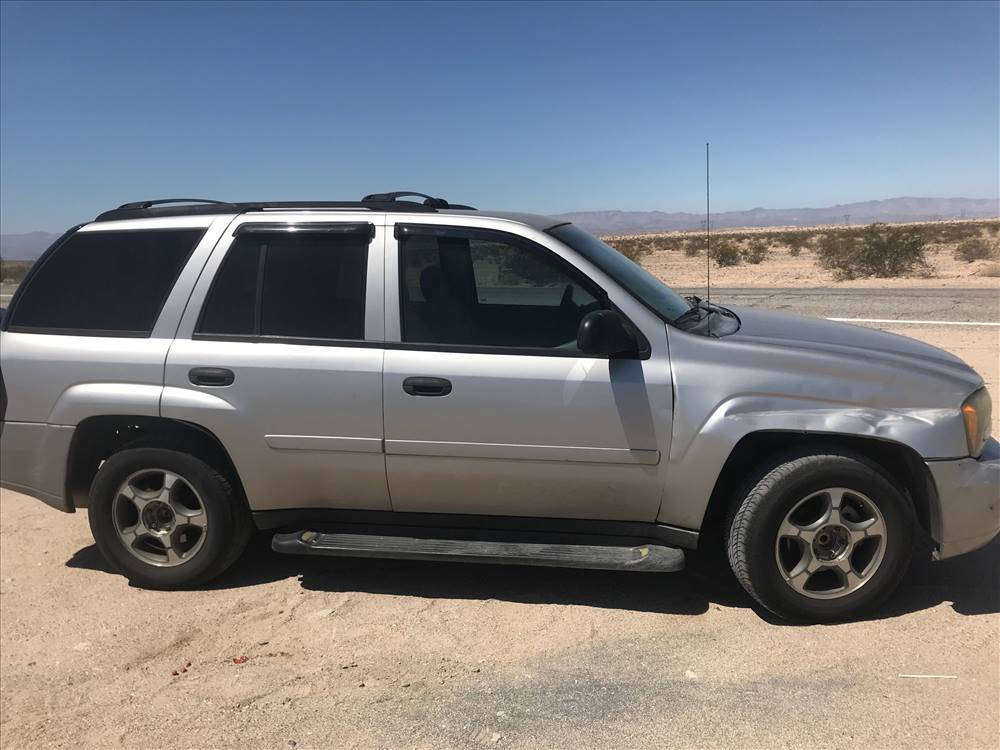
831,542
158,517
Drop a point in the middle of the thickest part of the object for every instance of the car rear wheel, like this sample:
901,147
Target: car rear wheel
165,518
821,537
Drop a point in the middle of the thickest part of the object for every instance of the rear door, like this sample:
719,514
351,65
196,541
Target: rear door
490,407
279,354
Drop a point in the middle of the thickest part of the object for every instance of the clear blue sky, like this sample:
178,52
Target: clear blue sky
524,106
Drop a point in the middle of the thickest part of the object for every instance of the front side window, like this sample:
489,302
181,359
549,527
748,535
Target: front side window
648,289
488,289
301,284
110,282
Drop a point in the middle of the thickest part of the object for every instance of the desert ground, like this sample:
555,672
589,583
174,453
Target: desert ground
783,269
301,652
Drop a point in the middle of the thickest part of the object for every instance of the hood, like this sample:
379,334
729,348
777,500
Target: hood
816,334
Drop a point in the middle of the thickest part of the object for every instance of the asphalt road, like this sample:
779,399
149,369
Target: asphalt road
952,305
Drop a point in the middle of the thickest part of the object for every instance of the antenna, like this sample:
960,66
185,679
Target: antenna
708,235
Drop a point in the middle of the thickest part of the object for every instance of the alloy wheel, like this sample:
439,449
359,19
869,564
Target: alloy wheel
159,517
831,543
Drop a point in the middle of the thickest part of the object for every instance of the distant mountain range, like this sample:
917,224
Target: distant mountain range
891,210
30,246
25,246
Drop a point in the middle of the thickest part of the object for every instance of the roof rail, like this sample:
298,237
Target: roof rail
160,201
162,207
428,200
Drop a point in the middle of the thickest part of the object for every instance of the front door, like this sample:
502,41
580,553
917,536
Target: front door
293,316
490,407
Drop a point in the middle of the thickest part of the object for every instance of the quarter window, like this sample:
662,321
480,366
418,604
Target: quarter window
478,288
302,284
105,282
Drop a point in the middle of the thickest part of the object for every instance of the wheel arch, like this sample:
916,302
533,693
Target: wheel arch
757,451
97,438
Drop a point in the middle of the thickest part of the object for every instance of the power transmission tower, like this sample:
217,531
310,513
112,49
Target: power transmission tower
847,219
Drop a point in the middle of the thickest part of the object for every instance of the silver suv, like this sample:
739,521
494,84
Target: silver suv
412,379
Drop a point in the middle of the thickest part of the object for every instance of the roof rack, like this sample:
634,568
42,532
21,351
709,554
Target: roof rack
164,207
160,201
428,200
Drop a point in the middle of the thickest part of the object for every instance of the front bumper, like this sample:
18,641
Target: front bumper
967,512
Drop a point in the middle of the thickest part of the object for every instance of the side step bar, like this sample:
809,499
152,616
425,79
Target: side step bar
653,558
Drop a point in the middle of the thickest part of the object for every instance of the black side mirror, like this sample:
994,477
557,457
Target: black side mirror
603,333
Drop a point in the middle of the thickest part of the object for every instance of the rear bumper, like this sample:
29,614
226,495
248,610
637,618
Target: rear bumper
968,502
33,460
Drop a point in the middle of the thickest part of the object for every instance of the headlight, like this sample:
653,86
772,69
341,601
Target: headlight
977,413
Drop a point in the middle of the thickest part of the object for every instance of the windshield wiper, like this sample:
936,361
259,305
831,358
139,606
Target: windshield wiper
707,319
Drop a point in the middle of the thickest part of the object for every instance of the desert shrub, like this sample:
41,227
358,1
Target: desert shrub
632,248
677,243
877,250
725,253
992,270
756,251
831,246
950,233
795,242
975,248
662,242
693,246
13,270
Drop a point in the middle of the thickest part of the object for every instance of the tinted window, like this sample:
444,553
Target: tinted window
649,290
105,281
313,286
483,290
232,300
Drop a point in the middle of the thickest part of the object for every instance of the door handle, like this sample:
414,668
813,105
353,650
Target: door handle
214,376
427,386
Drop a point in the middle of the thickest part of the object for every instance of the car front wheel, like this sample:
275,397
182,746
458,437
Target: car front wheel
821,537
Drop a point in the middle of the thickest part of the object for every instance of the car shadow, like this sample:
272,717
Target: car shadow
966,582
969,582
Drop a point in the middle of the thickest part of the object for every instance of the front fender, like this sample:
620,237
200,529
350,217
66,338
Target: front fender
726,389
696,463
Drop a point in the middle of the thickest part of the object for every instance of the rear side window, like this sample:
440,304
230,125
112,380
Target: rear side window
231,303
104,282
303,284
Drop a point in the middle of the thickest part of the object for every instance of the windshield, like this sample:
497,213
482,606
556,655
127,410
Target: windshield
648,289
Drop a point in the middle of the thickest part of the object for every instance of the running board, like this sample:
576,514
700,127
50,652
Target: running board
653,558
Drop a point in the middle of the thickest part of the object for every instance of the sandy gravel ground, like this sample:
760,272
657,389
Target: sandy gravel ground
343,653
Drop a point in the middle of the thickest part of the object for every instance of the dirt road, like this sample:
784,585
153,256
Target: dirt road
343,653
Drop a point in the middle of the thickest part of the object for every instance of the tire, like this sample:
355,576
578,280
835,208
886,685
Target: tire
783,529
209,529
